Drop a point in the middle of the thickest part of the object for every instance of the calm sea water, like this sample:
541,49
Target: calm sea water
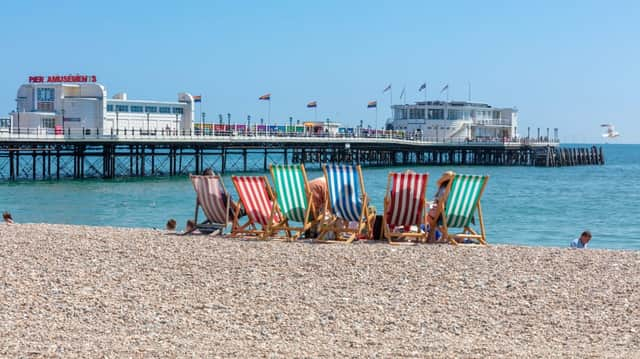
522,205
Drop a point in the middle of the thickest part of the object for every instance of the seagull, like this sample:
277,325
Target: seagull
611,131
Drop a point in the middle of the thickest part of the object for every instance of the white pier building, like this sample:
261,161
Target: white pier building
455,120
47,104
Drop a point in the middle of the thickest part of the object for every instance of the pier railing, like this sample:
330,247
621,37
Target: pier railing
152,135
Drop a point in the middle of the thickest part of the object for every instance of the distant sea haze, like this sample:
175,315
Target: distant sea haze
522,205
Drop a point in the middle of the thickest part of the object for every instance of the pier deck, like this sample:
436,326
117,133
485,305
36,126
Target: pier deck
33,156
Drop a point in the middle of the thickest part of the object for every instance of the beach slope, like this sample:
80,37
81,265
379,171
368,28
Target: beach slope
92,291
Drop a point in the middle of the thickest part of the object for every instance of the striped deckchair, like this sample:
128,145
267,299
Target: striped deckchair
347,202
256,197
214,200
404,205
293,196
458,208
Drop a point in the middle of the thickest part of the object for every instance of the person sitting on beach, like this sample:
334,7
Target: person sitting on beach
190,227
581,243
6,216
319,194
434,216
232,205
171,225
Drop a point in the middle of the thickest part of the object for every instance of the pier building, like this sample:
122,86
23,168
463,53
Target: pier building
455,120
57,104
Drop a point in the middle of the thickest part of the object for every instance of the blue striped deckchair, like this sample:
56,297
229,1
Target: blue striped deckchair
293,196
347,202
462,200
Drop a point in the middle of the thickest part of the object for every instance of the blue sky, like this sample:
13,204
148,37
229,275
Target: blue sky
565,64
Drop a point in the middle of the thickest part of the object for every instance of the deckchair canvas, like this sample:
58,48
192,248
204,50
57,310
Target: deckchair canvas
462,201
263,215
293,196
404,205
347,202
214,200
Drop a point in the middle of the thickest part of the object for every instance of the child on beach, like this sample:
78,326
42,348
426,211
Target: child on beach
6,216
190,227
581,243
171,225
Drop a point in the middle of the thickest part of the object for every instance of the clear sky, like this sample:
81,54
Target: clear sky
566,64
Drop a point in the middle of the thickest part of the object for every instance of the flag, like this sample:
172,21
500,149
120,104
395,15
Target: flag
386,88
445,88
197,98
266,97
422,87
312,104
372,104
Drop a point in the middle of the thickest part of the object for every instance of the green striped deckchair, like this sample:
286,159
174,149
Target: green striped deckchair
293,195
463,199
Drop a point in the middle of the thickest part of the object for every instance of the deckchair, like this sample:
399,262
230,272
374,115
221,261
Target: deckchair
214,200
264,218
293,196
347,202
462,200
404,205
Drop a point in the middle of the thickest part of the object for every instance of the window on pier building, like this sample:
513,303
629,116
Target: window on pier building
177,110
110,108
416,113
151,109
165,109
454,115
48,122
45,97
122,108
136,108
435,114
400,114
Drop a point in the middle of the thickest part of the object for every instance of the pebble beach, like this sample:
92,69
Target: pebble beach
103,291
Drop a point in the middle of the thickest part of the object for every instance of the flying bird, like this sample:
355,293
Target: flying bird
611,131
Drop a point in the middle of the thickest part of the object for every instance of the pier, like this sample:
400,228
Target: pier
38,156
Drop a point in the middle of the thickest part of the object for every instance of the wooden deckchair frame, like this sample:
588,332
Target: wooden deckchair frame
388,234
251,227
308,222
467,231
203,225
336,225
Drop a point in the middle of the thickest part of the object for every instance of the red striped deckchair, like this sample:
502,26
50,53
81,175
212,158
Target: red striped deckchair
258,200
214,200
404,205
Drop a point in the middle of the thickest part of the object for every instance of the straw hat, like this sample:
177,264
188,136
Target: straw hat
445,177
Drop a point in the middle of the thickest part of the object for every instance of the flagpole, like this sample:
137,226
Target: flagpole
315,113
269,116
469,86
375,129
425,92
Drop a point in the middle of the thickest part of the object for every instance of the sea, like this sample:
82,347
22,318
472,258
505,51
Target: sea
531,206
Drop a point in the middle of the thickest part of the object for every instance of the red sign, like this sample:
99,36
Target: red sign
66,78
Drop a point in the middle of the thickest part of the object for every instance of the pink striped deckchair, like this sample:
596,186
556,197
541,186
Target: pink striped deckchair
258,200
214,200
404,206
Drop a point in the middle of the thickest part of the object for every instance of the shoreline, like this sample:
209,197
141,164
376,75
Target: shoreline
372,242
107,290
